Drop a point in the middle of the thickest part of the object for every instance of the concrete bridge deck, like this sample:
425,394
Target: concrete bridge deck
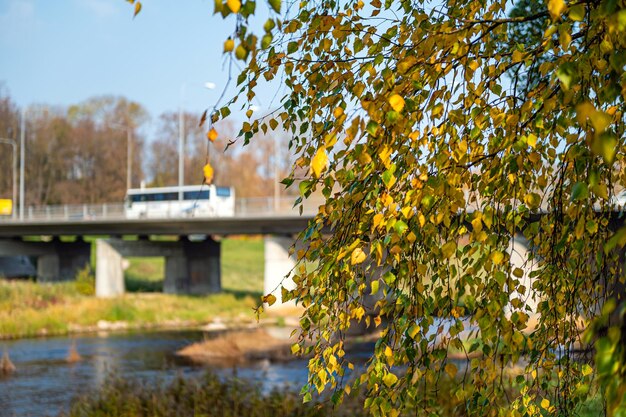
280,224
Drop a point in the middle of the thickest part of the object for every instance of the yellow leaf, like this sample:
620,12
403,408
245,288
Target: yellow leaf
545,403
584,111
397,102
474,65
532,140
212,135
229,45
451,369
375,285
269,299
295,348
319,162
448,249
388,351
378,217
533,200
357,257
600,121
337,112
322,376
497,257
390,379
556,7
234,5
137,8
208,173
517,56
384,155
421,219
241,53
413,331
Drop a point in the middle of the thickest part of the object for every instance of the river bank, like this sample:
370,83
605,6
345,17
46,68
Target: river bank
29,309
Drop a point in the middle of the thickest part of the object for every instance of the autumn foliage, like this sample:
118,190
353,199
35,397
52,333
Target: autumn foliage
439,131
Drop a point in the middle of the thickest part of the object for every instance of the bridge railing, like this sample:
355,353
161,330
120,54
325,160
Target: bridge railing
244,207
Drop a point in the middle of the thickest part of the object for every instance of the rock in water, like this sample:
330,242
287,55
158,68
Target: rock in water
6,366
73,356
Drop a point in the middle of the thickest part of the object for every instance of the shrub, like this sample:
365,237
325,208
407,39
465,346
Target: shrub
85,281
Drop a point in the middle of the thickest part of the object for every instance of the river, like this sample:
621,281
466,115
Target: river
45,383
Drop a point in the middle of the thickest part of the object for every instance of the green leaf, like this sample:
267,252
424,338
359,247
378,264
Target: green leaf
448,249
372,127
275,4
577,12
292,47
400,226
580,191
566,73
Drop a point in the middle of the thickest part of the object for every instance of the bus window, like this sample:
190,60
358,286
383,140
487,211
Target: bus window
196,195
222,191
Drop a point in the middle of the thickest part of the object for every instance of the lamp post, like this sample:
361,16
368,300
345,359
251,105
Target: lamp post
276,176
181,137
14,198
181,145
22,154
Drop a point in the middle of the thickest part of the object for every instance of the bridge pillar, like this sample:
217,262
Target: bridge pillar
55,260
190,267
196,270
65,261
519,250
278,267
109,270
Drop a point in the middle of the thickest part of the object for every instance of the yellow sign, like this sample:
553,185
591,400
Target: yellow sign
6,207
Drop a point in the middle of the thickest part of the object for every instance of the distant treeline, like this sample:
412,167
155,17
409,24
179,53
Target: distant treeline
79,154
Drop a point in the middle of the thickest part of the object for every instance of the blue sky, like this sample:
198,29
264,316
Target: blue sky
60,52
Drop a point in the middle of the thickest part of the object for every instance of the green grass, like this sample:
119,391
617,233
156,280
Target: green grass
145,275
28,308
242,269
243,266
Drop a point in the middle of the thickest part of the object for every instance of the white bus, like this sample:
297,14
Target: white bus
197,201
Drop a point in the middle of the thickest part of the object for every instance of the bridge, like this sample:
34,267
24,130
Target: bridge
192,263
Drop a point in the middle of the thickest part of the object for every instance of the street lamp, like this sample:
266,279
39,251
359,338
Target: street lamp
13,144
181,144
181,137
276,149
22,156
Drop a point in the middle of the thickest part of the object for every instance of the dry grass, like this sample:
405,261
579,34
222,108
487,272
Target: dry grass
238,347
30,309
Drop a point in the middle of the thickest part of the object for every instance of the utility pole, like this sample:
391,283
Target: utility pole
276,183
129,157
22,153
181,146
14,197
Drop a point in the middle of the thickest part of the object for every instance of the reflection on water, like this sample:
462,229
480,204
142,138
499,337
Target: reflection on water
45,382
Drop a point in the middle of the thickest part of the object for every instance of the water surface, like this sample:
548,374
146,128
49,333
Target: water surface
45,383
